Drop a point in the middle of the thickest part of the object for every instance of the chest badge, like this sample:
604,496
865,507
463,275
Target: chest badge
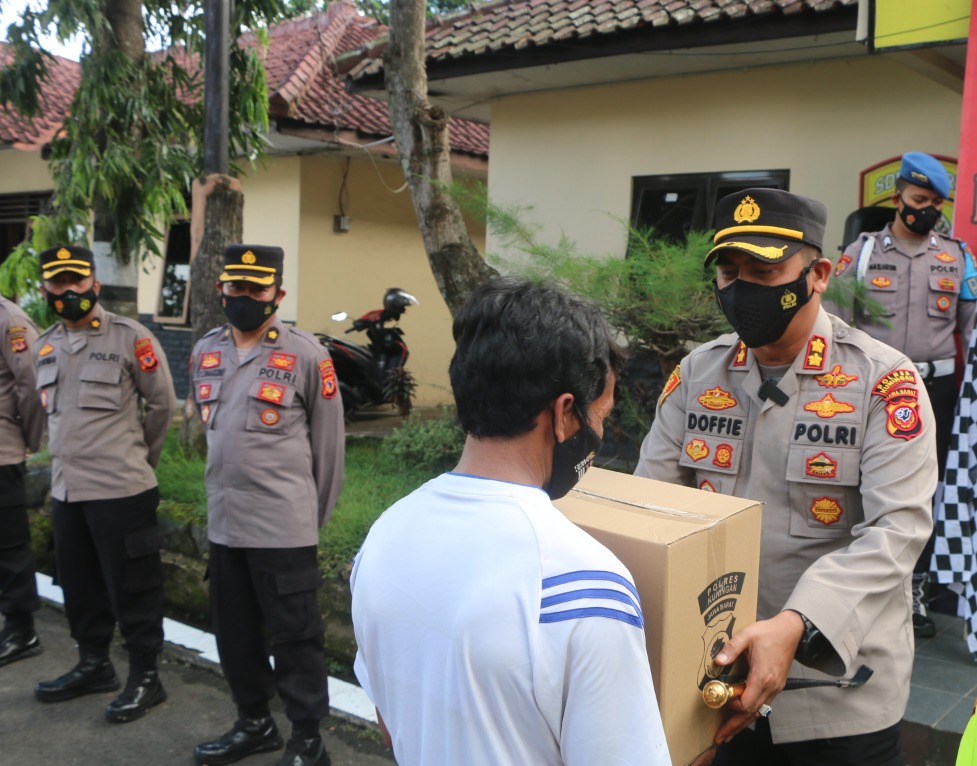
717,399
835,378
697,449
826,510
828,407
943,303
706,486
210,359
881,281
281,361
947,284
203,392
271,392
205,413
270,417
821,466
46,349
724,456
945,257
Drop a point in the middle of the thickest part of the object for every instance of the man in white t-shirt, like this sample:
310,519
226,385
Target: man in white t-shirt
490,629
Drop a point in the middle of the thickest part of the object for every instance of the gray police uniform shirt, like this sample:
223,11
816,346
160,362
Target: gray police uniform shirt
923,293
21,416
846,471
275,437
108,395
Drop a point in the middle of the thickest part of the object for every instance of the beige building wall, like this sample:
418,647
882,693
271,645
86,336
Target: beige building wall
23,172
383,248
572,153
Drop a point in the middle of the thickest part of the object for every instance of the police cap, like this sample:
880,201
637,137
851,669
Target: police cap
923,170
252,263
66,258
769,224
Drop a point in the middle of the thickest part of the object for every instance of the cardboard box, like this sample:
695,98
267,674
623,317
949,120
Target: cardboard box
694,556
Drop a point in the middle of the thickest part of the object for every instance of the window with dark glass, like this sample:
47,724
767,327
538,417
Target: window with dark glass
16,211
674,205
174,292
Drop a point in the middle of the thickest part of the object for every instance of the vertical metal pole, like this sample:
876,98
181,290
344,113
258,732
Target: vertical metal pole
216,30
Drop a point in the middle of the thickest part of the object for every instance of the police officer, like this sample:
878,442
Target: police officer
926,285
833,431
105,385
269,401
21,425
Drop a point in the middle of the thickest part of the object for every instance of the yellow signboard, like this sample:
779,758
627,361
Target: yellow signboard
879,185
909,23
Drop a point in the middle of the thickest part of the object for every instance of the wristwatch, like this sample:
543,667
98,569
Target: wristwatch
812,643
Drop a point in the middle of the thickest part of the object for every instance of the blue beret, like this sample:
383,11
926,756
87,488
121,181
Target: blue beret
922,170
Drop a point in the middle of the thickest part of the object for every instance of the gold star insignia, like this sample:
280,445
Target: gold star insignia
96,323
273,334
817,345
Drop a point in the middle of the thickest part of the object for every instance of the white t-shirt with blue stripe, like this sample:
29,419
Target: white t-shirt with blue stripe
493,631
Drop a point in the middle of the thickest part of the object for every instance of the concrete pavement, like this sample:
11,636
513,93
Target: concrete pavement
199,708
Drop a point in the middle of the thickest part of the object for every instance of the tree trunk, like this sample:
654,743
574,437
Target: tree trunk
115,267
217,219
421,132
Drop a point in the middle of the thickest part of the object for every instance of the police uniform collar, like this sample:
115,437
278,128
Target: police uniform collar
742,359
95,327
273,335
815,357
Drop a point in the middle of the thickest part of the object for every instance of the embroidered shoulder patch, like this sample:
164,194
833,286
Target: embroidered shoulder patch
327,371
842,266
146,355
671,384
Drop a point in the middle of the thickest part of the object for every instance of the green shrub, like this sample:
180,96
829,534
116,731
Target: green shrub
430,445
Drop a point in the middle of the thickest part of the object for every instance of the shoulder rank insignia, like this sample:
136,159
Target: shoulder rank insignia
842,266
327,372
827,407
671,384
814,358
96,323
697,449
210,359
740,359
271,392
281,361
146,355
821,466
46,349
271,335
826,510
724,456
835,378
706,486
717,399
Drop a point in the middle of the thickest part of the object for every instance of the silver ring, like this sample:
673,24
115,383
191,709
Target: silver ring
764,711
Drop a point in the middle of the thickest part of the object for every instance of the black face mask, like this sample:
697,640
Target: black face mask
71,305
571,459
919,220
246,313
760,314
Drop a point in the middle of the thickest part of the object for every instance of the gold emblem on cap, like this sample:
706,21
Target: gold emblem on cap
63,254
248,258
747,211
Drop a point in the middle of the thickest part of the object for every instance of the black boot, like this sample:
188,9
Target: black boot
249,735
143,691
302,751
18,645
93,673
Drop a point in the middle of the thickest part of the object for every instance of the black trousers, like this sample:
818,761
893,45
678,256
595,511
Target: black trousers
108,563
755,748
943,396
263,601
18,586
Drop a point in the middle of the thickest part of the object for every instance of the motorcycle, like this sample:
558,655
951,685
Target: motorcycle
375,373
